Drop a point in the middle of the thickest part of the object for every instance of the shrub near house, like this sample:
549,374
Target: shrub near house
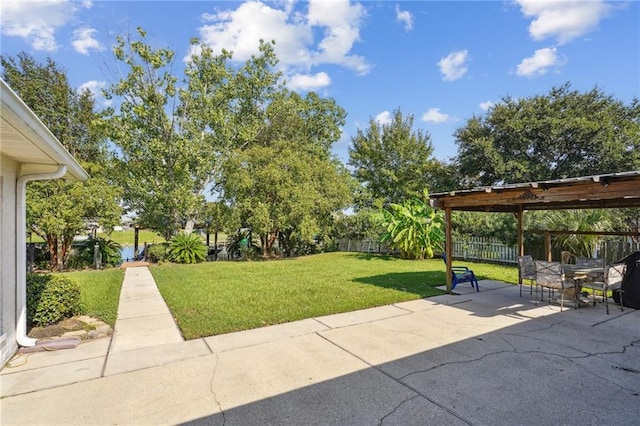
50,299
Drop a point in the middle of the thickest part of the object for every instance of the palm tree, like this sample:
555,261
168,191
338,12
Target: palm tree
577,220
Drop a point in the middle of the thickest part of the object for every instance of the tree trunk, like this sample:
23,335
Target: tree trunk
188,227
53,251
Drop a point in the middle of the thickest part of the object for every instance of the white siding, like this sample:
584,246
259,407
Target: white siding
8,176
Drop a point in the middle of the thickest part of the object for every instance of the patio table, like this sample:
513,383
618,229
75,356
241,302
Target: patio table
579,274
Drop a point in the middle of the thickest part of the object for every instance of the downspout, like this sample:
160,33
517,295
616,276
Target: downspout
21,252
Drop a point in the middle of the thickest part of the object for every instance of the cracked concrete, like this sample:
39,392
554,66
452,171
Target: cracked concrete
480,358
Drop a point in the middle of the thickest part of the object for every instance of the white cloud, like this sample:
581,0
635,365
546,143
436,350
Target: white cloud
309,82
486,105
240,29
563,20
539,63
36,21
406,17
433,115
453,66
384,118
95,87
83,40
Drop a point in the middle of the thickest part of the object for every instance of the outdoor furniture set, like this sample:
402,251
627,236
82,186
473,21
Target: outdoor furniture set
570,278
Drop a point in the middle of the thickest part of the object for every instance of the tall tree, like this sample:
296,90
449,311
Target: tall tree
57,211
562,134
285,182
392,161
173,135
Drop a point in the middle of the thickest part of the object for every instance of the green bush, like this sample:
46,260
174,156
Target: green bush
156,252
187,248
50,299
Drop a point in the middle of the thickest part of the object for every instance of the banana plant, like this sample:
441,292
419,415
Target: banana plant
414,228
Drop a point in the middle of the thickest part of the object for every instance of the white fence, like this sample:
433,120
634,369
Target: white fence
489,250
363,246
484,249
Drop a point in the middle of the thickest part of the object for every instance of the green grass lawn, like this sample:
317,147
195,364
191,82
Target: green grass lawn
220,297
100,292
128,237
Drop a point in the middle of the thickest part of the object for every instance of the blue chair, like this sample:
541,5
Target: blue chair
461,274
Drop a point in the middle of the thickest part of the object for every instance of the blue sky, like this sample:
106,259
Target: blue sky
442,61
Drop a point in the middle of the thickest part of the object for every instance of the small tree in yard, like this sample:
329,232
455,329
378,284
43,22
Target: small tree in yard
414,228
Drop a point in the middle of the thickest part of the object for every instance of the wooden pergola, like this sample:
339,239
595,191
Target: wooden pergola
616,190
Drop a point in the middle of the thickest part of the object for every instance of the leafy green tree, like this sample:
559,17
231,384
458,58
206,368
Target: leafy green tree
174,135
58,210
284,182
365,223
499,226
392,161
414,228
283,188
562,134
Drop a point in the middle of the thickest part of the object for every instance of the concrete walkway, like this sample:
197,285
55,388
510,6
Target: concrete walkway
143,317
477,358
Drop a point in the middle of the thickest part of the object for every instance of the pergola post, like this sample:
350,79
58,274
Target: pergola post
547,245
448,250
519,217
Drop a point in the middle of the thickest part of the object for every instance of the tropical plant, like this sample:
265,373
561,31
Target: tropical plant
414,228
577,220
186,248
109,251
242,244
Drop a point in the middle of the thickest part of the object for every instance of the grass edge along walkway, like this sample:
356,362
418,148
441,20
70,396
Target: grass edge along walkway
221,297
99,292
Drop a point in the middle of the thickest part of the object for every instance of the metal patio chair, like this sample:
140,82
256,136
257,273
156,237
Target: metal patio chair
549,275
526,271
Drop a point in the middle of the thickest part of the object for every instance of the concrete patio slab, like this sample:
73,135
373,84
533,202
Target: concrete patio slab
86,350
361,316
242,339
481,358
52,376
153,356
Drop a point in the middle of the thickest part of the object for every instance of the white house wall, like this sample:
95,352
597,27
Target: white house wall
8,176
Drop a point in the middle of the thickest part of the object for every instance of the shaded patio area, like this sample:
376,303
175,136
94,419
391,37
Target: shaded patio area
606,191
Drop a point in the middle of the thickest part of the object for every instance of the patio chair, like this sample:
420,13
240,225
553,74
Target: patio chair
461,274
526,271
549,275
612,281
